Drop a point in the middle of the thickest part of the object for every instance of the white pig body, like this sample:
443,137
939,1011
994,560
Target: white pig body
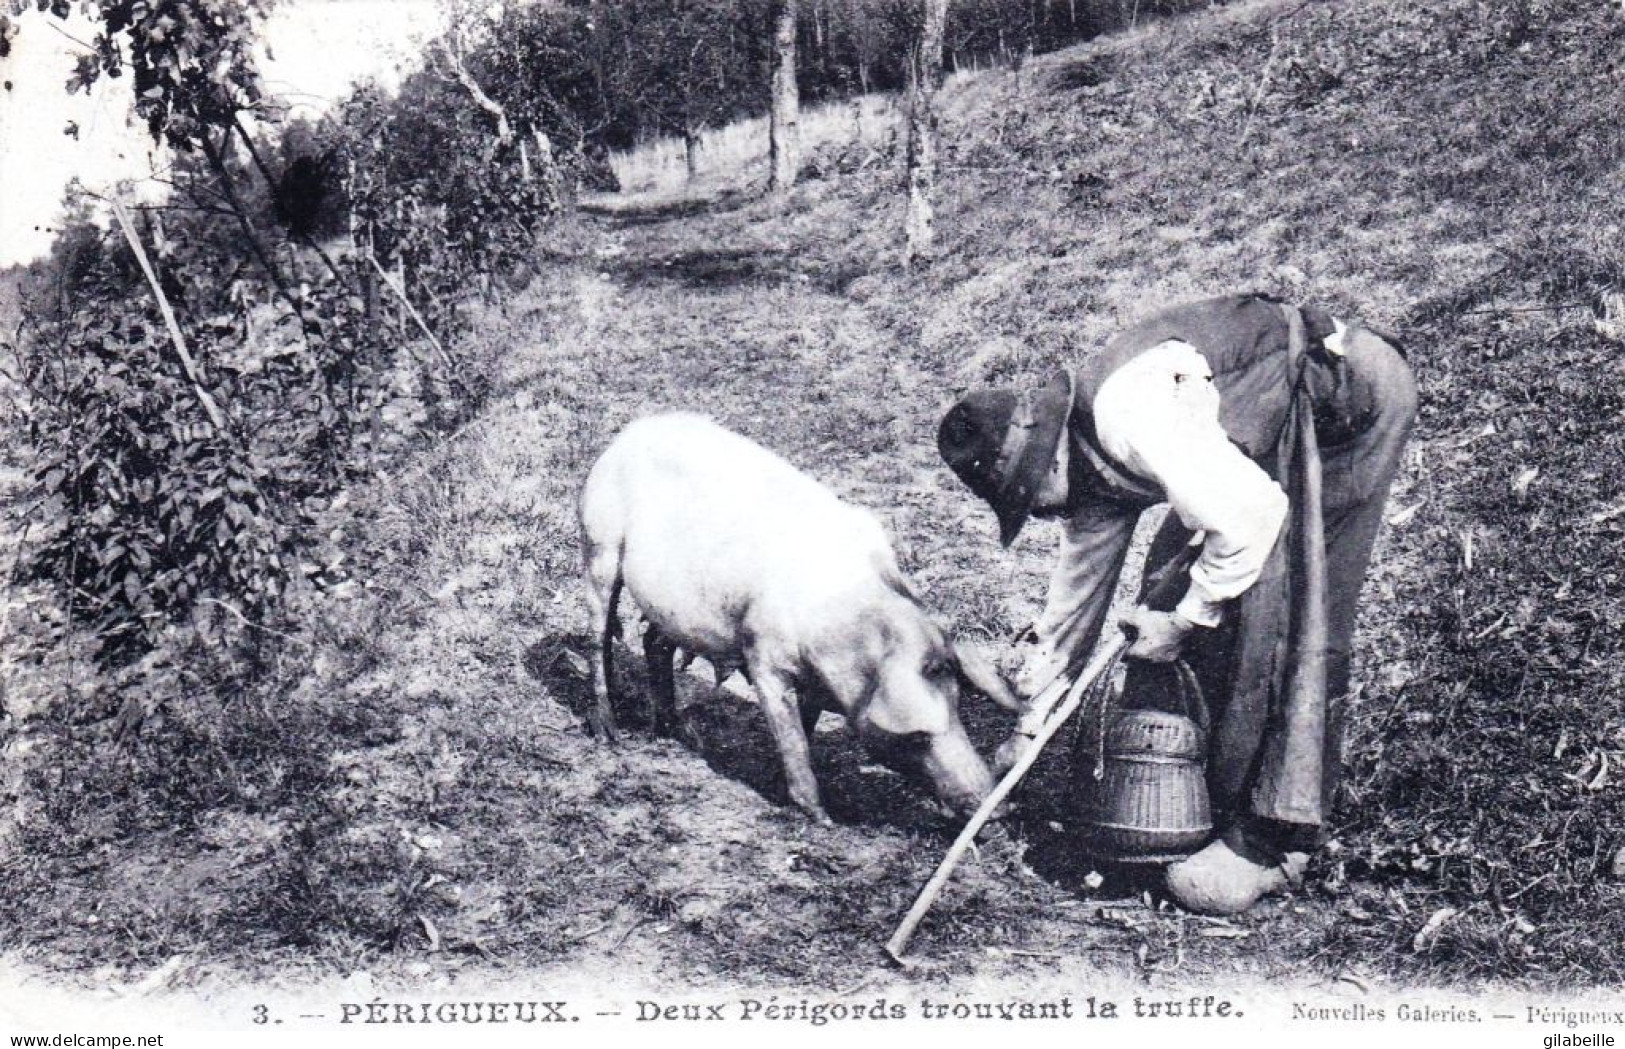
734,554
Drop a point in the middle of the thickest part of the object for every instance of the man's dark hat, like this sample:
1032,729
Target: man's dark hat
1002,444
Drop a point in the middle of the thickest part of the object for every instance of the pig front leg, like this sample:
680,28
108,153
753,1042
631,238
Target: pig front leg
784,722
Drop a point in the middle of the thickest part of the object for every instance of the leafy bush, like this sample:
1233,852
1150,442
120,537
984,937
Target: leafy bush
151,506
320,374
432,192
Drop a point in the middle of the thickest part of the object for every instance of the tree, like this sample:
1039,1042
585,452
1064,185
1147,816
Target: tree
555,72
471,31
784,133
924,79
192,61
195,77
448,59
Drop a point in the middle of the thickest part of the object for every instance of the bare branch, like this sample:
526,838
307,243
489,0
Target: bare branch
70,36
451,50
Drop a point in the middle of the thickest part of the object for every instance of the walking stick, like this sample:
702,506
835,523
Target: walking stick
933,888
1155,589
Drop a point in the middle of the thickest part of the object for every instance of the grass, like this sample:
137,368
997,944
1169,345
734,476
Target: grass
661,167
409,788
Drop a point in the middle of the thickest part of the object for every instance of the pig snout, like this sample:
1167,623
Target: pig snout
943,760
957,773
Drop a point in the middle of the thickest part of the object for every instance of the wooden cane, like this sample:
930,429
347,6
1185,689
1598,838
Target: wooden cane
1156,588
933,888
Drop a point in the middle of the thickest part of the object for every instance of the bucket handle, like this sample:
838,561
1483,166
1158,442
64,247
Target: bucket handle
1190,691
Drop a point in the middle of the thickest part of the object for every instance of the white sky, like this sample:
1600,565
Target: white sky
319,47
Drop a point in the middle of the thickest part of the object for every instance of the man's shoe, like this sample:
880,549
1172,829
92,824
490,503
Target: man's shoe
1219,881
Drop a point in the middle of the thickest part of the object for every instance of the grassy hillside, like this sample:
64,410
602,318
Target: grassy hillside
407,784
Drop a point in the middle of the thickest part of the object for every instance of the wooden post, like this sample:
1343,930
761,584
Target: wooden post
210,409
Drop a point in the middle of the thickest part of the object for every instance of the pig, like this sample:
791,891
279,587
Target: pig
733,554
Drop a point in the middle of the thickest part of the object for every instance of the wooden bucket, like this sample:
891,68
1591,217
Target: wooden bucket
1143,797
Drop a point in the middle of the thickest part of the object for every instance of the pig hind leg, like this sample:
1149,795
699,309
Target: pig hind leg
811,708
603,594
658,651
815,698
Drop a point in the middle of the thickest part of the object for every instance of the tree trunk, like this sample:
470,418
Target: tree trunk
691,152
498,112
217,155
924,78
784,130
820,39
270,187
369,286
545,160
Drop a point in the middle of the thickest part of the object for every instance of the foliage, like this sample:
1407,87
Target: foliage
191,62
153,509
619,72
428,187
150,507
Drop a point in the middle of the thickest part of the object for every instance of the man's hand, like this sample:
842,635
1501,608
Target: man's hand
1157,635
1027,665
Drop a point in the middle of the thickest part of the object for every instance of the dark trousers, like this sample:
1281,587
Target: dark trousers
1355,478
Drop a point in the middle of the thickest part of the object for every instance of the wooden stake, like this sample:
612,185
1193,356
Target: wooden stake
413,310
189,365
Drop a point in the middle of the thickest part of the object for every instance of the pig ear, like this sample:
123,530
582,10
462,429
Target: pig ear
981,675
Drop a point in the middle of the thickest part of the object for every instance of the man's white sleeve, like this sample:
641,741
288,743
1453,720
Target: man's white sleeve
1158,416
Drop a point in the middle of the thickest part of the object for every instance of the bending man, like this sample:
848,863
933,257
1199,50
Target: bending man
1273,434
